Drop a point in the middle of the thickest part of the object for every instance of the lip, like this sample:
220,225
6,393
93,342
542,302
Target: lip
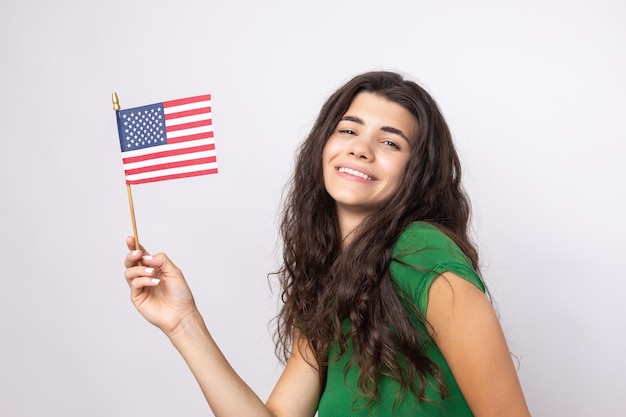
355,168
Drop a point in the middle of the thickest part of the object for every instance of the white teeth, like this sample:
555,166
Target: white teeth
355,173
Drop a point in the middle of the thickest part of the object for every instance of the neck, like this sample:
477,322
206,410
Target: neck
349,222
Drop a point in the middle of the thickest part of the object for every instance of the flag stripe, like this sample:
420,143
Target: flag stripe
145,166
180,136
203,110
188,119
173,176
172,164
165,148
186,138
178,160
188,125
186,107
174,172
188,100
168,153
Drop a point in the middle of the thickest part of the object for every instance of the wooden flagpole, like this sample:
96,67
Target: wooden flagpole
116,107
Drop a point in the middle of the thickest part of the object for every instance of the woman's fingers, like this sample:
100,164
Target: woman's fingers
141,277
134,257
161,265
130,242
135,254
137,285
141,271
152,267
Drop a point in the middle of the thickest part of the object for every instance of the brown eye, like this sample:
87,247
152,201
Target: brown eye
391,144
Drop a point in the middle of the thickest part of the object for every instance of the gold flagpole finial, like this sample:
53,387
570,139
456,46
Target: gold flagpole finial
116,102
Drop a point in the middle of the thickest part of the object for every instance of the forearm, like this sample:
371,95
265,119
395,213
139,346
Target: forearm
226,393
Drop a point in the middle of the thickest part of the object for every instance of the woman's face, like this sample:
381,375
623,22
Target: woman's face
365,156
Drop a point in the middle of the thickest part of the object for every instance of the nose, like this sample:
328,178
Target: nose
361,148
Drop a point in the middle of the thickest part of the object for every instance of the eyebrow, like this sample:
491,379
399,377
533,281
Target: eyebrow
388,129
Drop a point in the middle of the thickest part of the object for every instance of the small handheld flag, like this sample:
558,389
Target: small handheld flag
168,140
164,141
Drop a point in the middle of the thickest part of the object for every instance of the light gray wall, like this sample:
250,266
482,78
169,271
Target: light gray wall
534,92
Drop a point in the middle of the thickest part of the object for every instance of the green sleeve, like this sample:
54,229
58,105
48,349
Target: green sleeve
421,254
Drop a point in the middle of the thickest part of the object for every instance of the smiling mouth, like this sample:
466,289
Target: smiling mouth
355,173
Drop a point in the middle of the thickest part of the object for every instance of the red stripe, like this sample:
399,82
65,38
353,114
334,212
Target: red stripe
188,113
188,125
192,149
158,167
187,100
195,136
171,177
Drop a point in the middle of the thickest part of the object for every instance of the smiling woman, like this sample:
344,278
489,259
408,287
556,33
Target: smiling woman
384,309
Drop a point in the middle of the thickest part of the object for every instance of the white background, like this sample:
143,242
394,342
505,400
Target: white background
534,92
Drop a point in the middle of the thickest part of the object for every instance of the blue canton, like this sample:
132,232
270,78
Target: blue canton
142,127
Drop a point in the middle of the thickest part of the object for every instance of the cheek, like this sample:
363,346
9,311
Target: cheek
326,167
328,153
395,167
397,174
329,148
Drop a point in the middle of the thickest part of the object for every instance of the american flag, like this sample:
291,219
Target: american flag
168,140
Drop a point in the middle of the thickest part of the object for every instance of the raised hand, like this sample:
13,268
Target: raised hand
158,288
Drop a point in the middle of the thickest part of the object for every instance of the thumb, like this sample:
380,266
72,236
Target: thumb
132,244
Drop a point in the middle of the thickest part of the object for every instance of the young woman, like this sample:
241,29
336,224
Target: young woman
384,311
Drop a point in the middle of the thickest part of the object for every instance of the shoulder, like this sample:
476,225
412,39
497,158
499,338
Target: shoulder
422,235
425,245
421,254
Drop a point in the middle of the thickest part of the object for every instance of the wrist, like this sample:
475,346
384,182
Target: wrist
190,328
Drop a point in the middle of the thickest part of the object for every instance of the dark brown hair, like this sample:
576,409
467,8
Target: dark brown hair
323,284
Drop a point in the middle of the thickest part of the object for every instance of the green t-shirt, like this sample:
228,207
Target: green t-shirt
431,253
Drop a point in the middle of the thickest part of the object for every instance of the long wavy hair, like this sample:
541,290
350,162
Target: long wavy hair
324,283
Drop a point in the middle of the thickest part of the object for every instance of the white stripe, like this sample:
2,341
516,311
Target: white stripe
168,147
185,107
169,159
188,119
191,131
171,171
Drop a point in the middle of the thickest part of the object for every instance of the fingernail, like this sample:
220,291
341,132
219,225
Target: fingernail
156,280
149,270
146,258
135,252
